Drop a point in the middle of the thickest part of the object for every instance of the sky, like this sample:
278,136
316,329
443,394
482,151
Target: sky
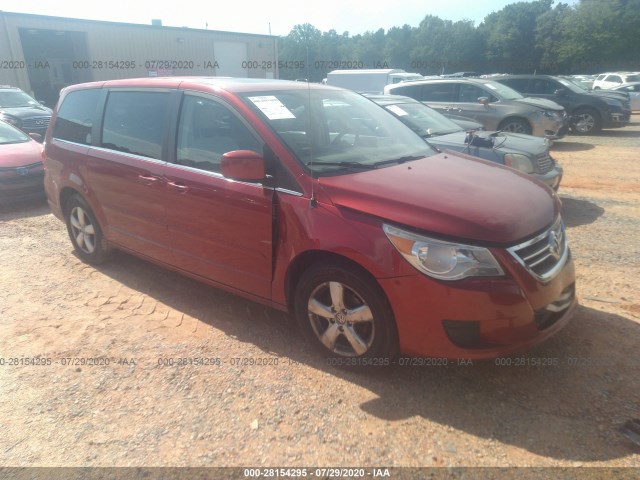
263,17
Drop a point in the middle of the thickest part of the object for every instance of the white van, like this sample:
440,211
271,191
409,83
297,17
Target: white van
369,81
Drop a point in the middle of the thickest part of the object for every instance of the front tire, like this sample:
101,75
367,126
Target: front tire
84,231
515,125
344,313
585,121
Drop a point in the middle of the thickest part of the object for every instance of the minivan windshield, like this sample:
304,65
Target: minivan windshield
333,132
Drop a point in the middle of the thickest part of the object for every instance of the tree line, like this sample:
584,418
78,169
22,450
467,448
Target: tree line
592,36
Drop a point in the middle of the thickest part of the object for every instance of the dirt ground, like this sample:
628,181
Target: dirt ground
86,376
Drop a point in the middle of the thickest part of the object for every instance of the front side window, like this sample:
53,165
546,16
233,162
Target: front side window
75,116
614,78
543,87
472,94
135,122
413,91
206,131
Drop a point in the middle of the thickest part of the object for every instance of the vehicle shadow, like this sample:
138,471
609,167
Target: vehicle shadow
34,208
576,212
575,389
570,146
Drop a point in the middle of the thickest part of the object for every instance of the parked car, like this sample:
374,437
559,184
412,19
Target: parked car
523,152
315,201
21,170
22,111
590,112
369,80
610,80
633,90
494,105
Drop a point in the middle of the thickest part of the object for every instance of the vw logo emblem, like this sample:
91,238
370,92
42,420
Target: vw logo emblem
40,122
554,244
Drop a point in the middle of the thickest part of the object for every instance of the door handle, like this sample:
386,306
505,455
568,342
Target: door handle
148,179
178,187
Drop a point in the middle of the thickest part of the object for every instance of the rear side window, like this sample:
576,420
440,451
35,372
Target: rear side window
614,78
75,116
135,122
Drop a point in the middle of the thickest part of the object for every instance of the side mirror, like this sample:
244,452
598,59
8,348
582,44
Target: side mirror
484,101
243,165
36,136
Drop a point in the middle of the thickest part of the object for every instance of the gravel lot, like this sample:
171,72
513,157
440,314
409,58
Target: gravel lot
259,398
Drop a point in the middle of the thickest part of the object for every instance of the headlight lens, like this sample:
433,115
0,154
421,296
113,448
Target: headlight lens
551,114
16,122
443,260
519,162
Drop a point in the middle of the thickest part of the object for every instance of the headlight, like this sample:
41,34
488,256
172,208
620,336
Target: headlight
519,162
551,114
443,260
612,102
16,122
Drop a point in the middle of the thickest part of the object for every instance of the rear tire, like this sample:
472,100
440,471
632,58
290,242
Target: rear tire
84,231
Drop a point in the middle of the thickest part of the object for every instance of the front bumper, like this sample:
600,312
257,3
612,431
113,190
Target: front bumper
552,177
480,318
19,188
552,129
617,119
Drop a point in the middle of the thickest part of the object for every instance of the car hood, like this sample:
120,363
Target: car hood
450,196
609,94
20,154
541,103
504,142
27,112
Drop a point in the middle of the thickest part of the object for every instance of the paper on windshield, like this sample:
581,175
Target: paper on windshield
273,108
397,110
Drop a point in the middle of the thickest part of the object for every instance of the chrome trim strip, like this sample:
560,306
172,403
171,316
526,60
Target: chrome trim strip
288,192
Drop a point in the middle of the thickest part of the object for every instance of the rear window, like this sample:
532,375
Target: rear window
134,122
75,116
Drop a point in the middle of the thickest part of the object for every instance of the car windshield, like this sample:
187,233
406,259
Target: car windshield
334,132
502,91
8,134
9,99
423,120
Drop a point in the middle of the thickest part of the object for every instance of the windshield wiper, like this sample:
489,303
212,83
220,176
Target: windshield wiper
364,166
406,158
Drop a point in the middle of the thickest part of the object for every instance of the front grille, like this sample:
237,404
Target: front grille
543,255
543,163
36,122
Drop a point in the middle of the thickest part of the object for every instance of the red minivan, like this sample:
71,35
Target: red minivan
316,201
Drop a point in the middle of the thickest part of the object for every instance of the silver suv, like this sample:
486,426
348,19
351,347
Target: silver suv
496,106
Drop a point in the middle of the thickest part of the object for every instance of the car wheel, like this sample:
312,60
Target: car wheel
84,231
585,121
345,314
515,125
